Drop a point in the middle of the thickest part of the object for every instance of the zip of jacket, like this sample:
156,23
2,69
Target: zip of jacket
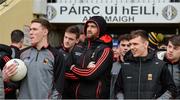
139,79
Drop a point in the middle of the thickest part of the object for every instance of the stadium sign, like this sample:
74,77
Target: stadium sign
114,13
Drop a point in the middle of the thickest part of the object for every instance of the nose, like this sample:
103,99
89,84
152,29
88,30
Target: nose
131,46
126,47
171,49
88,28
66,40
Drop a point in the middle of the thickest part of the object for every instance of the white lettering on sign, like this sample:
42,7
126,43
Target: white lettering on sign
114,13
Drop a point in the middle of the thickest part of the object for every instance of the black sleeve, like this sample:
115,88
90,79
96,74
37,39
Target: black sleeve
167,81
59,69
4,58
119,83
103,63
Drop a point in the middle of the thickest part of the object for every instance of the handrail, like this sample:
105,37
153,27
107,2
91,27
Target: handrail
5,4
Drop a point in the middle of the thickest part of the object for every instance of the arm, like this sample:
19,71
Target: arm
69,74
59,69
118,89
168,83
102,63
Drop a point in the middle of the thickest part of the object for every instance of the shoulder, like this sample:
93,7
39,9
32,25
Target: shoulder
157,65
25,49
127,64
5,48
79,47
103,47
159,61
54,51
60,49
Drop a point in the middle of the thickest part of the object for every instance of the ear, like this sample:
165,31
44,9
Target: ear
146,43
46,31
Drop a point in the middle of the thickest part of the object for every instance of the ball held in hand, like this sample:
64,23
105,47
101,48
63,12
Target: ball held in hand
21,69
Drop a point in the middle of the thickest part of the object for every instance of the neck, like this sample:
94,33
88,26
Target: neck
16,45
70,49
172,61
145,53
42,43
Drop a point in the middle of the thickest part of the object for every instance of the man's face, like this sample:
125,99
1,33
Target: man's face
116,52
138,47
173,52
37,33
69,40
82,37
124,46
92,31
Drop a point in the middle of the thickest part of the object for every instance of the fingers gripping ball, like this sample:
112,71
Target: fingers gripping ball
21,69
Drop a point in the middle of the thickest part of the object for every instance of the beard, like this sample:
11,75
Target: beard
91,36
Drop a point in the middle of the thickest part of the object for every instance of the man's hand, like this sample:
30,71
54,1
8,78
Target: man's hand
9,71
91,64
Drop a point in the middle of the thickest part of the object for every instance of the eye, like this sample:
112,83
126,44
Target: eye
123,45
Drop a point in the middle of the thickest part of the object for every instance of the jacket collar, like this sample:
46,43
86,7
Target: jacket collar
129,56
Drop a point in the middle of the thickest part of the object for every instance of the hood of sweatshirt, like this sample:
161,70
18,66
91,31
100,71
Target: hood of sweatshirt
101,25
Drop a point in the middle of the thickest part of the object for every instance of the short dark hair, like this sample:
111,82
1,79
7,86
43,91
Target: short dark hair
74,30
175,40
141,33
45,23
124,37
16,36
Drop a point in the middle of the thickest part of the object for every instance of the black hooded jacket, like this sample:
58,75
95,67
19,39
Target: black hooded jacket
94,82
5,55
144,77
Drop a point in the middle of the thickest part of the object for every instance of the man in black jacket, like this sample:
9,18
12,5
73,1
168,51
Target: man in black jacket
143,76
94,65
70,39
172,57
8,52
